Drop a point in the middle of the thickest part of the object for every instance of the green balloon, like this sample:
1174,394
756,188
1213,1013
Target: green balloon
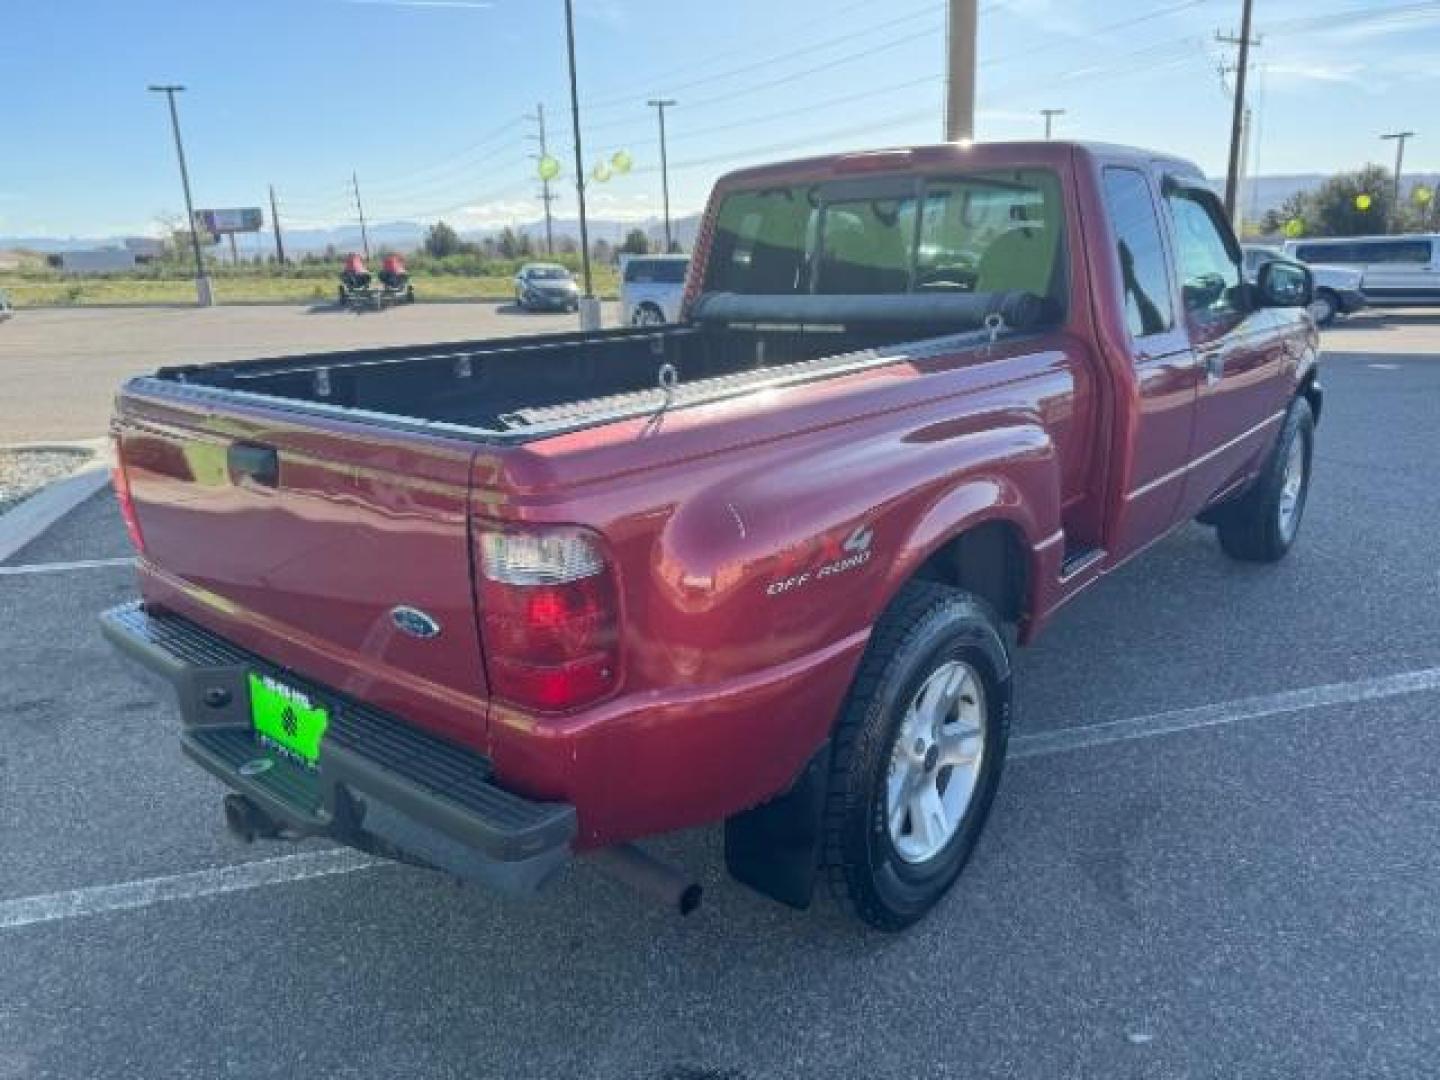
601,173
1294,228
621,161
548,167
1422,195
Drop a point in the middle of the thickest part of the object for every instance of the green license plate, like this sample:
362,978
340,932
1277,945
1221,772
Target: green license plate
287,719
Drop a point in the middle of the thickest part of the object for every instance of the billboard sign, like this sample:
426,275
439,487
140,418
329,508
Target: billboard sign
221,222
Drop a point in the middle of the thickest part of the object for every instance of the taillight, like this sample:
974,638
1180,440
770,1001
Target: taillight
549,616
121,483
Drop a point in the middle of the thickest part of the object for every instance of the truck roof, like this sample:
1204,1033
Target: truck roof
927,157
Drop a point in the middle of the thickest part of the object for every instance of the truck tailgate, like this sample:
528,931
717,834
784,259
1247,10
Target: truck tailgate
299,538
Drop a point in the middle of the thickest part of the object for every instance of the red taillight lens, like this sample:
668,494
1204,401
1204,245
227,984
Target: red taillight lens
121,483
549,615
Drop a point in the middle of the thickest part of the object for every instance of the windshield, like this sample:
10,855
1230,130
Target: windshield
548,273
980,232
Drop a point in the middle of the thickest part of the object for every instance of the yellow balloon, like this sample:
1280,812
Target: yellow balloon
1362,202
548,168
601,173
1422,195
1294,228
621,161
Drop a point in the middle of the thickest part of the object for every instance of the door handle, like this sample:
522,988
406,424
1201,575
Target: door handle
1215,365
258,463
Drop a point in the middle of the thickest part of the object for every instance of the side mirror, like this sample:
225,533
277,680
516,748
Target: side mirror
1282,283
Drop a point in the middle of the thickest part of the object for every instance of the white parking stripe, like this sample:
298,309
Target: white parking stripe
99,899
1227,712
61,567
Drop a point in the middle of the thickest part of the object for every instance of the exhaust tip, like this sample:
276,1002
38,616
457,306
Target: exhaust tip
690,898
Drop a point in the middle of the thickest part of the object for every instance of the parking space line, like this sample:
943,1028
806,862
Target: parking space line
62,567
127,896
1225,712
258,874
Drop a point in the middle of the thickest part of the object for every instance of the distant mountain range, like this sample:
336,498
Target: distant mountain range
1258,195
399,235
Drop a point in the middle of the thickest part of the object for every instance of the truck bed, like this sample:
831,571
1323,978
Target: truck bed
524,388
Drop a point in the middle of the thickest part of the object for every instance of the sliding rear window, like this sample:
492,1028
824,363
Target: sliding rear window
981,232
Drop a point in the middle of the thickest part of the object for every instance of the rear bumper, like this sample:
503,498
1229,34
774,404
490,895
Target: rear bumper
381,785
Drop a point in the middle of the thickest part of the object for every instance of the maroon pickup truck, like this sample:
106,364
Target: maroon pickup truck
489,605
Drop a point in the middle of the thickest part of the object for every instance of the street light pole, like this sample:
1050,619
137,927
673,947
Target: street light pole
1399,137
660,105
961,25
1050,115
203,295
589,306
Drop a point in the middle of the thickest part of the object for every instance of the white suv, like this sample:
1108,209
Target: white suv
651,288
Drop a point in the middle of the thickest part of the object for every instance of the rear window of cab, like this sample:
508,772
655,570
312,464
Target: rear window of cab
976,232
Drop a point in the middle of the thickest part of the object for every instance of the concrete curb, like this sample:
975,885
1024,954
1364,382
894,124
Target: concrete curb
30,520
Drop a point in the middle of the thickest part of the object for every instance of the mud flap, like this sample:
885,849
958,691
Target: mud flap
775,848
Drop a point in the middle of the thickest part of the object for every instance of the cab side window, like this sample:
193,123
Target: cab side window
1210,279
1149,306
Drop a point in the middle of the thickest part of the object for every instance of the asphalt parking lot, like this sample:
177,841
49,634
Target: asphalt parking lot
1216,852
61,366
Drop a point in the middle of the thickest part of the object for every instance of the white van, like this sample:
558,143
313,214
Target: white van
1395,269
651,288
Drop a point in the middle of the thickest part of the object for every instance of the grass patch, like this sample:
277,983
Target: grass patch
30,290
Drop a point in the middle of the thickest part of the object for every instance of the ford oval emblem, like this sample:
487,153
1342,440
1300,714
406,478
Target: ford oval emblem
413,621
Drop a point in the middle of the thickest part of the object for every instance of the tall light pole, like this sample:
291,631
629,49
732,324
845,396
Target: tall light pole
1050,115
589,306
660,105
963,19
203,295
1399,137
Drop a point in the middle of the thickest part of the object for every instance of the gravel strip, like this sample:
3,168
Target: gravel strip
24,472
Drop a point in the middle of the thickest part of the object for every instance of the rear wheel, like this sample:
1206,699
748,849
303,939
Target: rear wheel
647,315
1261,526
1324,307
917,755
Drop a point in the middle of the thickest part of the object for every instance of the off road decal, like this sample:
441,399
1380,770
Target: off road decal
824,557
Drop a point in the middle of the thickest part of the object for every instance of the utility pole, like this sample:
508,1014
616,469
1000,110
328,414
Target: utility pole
275,221
660,105
1050,115
360,209
1399,137
589,306
545,195
1237,117
962,24
203,296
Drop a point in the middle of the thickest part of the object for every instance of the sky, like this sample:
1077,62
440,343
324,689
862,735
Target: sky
425,100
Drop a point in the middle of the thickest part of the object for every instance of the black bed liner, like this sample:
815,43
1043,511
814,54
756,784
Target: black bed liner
520,389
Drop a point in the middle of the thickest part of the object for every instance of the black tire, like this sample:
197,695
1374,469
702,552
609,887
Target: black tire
1253,528
926,626
647,314
1325,306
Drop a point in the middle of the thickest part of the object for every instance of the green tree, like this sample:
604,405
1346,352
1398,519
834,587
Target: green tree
635,243
441,240
1340,209
512,244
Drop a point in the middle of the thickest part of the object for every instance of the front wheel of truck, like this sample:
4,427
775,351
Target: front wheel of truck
917,755
1262,524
